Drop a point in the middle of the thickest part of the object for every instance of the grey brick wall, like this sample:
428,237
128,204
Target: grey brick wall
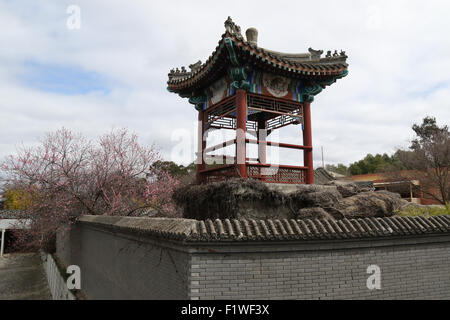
130,265
116,266
408,271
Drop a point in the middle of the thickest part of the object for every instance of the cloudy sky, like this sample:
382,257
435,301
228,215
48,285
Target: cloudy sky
112,71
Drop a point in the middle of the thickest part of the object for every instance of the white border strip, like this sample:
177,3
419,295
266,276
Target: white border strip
56,283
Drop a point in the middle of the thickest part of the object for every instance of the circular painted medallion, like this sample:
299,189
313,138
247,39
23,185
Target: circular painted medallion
276,85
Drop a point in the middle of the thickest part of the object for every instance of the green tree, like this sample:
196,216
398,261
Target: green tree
340,168
375,164
175,170
429,157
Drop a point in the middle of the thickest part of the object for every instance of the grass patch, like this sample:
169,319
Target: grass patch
425,211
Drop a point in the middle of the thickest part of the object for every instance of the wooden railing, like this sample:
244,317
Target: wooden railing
219,173
278,144
270,173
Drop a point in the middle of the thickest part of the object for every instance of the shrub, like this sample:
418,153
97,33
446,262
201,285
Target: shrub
428,211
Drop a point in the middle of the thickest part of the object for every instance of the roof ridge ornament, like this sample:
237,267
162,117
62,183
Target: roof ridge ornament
176,73
252,36
195,66
335,55
233,28
315,54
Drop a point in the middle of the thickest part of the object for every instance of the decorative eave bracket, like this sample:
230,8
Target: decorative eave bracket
310,91
238,73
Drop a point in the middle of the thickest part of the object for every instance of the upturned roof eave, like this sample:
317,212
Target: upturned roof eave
190,81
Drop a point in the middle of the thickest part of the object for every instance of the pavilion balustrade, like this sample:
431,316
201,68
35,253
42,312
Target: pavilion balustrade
220,167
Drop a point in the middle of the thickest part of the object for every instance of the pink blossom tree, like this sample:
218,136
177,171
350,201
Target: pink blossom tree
67,176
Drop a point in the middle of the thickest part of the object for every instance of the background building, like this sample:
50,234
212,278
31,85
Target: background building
408,185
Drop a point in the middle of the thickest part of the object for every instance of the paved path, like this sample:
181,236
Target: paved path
22,277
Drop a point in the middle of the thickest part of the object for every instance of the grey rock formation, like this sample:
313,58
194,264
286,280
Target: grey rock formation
255,200
369,204
347,189
307,196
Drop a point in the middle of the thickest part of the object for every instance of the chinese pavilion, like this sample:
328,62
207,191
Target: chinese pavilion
246,88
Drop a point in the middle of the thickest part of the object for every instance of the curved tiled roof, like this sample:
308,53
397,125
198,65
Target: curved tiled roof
298,65
12,214
273,230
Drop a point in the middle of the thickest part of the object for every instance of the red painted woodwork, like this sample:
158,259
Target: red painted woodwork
278,144
307,142
220,146
241,120
281,173
234,112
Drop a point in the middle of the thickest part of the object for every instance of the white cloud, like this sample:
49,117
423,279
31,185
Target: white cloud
398,54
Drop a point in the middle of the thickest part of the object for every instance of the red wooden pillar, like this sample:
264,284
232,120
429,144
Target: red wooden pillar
241,120
201,146
307,142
